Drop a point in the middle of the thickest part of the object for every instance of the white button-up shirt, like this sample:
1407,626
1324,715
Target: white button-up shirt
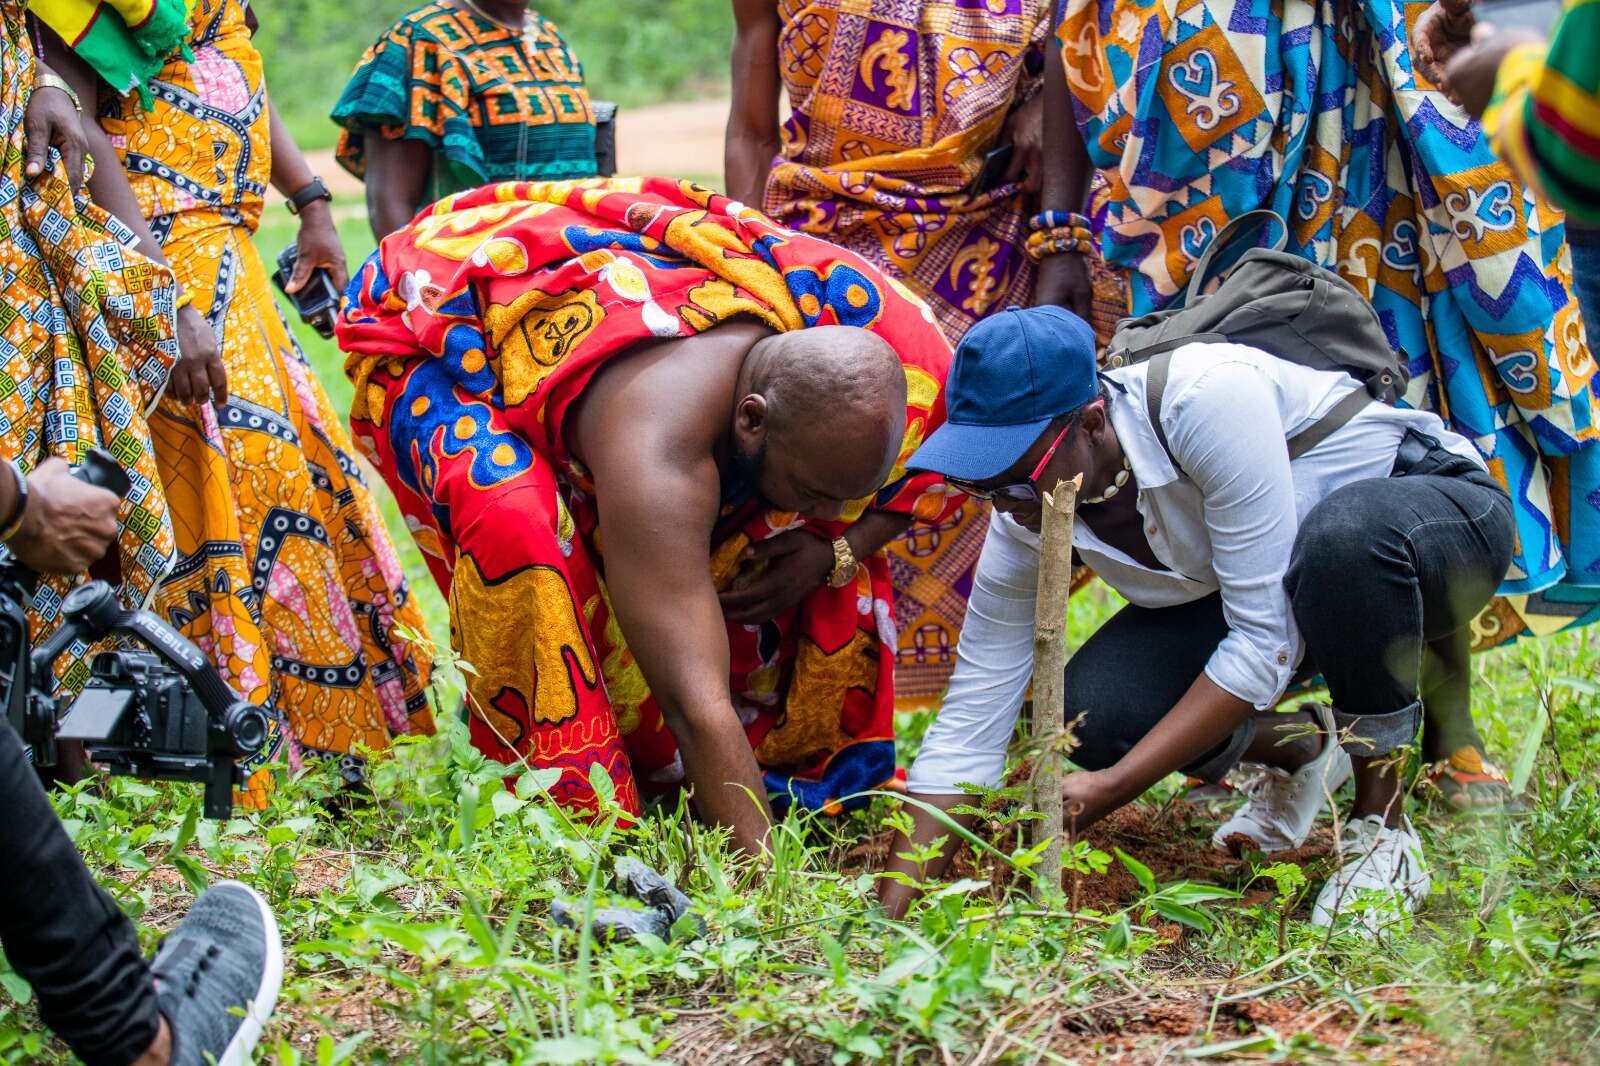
1225,522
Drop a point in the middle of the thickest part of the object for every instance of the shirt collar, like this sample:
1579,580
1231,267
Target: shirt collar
1152,466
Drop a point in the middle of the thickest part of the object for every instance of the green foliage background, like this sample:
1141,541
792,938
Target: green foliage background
633,51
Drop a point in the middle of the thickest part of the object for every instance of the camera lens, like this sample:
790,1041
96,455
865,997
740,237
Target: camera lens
247,727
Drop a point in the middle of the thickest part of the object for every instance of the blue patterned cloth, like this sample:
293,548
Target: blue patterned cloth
1199,111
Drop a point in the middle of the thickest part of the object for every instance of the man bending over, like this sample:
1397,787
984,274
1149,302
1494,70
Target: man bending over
652,445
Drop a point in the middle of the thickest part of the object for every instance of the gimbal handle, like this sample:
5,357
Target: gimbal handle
91,612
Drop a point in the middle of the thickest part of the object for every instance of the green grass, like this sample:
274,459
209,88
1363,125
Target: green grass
419,929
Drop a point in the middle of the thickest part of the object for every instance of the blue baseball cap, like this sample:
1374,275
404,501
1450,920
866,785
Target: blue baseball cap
1013,374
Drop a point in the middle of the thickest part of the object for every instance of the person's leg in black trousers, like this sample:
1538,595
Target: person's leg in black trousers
62,933
1383,570
1135,668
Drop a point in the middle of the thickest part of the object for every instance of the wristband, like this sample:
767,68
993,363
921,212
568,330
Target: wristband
1043,243
20,510
1048,220
308,193
844,566
184,300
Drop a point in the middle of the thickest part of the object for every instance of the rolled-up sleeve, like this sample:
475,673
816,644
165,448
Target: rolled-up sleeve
1228,437
967,742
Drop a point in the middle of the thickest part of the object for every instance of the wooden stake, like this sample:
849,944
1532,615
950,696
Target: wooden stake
1049,660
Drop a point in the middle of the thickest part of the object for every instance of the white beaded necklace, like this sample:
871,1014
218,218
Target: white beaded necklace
1116,484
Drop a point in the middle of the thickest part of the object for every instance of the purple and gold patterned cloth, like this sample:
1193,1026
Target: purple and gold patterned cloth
895,105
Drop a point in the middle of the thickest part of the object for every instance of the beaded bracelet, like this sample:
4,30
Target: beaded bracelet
184,300
1058,240
1048,220
1057,245
1061,233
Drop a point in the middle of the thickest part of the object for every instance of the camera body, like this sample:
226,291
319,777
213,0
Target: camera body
139,717
161,712
317,302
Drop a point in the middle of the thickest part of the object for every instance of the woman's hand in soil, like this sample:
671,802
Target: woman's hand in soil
1088,796
198,374
797,564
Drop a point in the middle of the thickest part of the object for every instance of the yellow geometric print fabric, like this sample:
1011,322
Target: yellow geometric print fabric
286,576
86,343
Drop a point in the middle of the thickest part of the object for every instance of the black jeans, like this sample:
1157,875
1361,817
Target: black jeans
1385,576
62,933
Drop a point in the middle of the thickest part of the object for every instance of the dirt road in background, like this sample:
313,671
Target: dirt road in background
681,139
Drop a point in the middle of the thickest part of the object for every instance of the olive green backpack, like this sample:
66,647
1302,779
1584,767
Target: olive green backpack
1280,303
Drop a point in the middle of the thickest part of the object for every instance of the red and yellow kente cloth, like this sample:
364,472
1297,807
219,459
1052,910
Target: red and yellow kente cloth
471,333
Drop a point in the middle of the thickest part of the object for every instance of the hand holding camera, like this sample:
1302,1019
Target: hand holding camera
162,713
63,524
312,271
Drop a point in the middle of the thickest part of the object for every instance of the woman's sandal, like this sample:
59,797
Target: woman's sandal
1470,782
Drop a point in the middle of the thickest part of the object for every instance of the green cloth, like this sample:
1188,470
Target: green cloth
492,105
125,57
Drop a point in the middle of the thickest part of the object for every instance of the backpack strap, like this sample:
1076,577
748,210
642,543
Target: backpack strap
1328,424
1155,388
1245,223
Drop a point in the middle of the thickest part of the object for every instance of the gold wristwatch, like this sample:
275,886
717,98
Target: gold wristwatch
45,79
844,565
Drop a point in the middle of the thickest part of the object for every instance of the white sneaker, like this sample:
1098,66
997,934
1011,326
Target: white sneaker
1280,807
1384,878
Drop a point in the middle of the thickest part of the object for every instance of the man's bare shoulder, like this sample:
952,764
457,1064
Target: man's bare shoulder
677,390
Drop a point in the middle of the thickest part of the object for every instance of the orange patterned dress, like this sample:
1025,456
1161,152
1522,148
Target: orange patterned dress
285,574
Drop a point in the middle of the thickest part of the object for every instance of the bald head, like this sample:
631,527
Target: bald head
834,400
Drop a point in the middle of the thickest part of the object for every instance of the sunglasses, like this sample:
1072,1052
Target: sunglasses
1019,492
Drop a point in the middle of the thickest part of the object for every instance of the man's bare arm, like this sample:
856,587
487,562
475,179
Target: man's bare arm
752,137
656,484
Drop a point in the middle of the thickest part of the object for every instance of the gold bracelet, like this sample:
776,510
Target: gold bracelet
184,300
46,80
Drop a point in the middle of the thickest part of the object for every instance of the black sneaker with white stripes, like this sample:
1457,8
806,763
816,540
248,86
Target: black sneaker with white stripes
217,976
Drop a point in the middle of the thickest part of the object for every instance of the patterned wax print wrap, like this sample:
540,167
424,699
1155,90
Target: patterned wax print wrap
86,342
1199,110
894,106
494,104
472,332
285,576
